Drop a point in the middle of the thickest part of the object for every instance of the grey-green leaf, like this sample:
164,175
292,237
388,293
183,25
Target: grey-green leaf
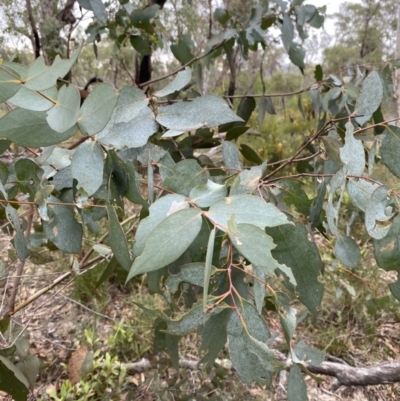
352,153
205,111
35,100
208,266
62,228
248,209
181,79
256,246
247,181
41,77
231,156
10,83
158,211
387,249
117,239
303,259
64,114
370,97
20,242
187,174
347,251
170,239
133,133
297,389
97,109
29,128
207,194
192,273
379,211
360,191
12,381
87,166
390,149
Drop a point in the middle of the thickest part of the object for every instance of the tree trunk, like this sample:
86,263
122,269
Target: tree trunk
397,71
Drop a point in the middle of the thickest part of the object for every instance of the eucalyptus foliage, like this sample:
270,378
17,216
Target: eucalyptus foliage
242,234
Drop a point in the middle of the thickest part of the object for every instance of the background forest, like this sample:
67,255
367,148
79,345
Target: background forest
310,110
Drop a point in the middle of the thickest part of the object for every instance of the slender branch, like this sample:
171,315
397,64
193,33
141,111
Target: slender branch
316,175
78,142
193,60
20,269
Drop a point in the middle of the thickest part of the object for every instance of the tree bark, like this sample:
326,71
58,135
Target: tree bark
397,71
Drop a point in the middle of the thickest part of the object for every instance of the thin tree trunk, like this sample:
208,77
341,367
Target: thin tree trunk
397,71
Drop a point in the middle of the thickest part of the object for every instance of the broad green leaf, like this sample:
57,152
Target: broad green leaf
214,336
20,242
297,55
303,259
246,108
192,273
172,133
250,356
87,166
250,154
12,381
29,128
62,229
297,389
97,7
352,153
41,77
28,175
347,251
142,19
221,15
370,97
379,211
187,174
287,32
117,239
387,254
133,133
338,181
294,195
132,191
318,74
181,79
287,316
235,132
190,321
247,181
141,44
10,83
131,102
64,114
332,147
97,109
158,211
259,287
231,155
207,194
304,352
205,111
208,266
35,100
390,149
171,238
387,249
182,50
29,367
247,209
256,246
